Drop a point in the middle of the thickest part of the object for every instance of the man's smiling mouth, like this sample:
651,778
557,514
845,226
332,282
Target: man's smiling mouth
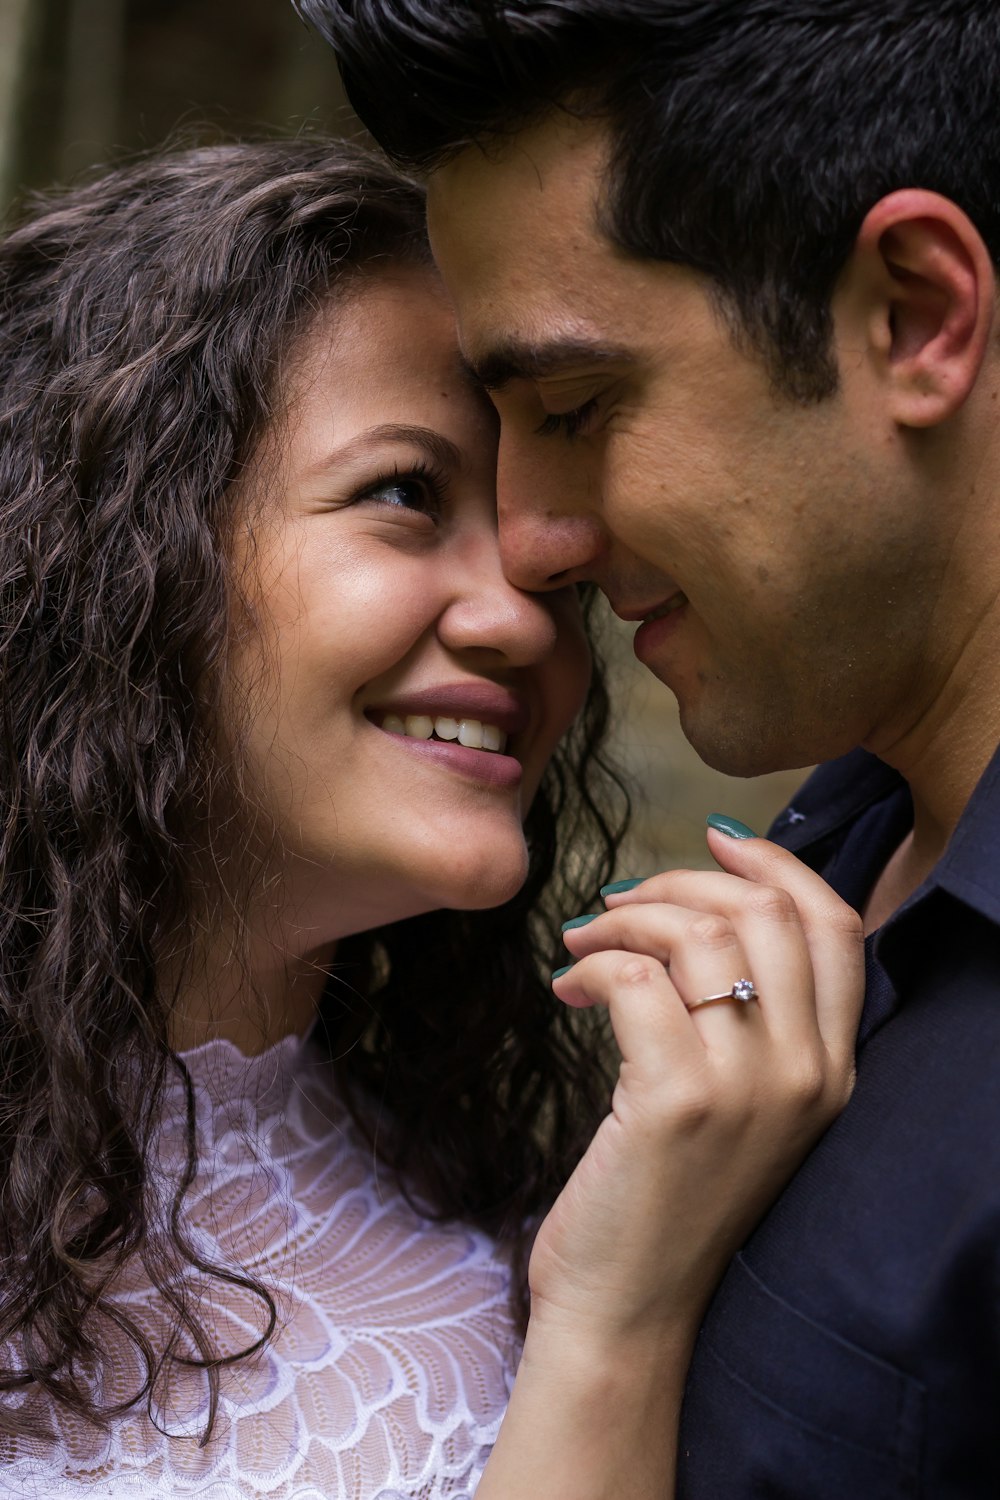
676,601
642,614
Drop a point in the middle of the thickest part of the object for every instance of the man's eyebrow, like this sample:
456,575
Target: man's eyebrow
441,449
516,359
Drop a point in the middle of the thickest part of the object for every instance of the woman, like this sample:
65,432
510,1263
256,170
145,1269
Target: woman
283,1095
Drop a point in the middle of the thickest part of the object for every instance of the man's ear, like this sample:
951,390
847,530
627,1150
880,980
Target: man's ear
921,281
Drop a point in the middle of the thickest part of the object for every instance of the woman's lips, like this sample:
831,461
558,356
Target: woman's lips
472,699
461,727
489,767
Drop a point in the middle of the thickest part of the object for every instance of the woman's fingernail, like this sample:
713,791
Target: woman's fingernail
580,921
617,886
732,827
558,973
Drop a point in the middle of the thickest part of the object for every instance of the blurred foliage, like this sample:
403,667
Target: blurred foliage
83,80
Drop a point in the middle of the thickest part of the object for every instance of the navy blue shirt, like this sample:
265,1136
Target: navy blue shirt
852,1351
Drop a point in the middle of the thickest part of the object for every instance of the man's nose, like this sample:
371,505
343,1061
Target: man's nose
550,536
541,550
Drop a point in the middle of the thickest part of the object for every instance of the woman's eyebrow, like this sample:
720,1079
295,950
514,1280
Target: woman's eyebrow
435,444
518,359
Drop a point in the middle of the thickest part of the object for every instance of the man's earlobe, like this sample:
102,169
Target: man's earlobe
932,290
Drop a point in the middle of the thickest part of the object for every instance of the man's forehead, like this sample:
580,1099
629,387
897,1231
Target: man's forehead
537,284
557,150
529,279
531,200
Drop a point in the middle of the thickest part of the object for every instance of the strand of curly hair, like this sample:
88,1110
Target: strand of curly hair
144,318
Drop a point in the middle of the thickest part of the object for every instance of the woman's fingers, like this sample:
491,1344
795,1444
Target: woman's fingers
765,877
833,931
764,1055
650,1021
749,935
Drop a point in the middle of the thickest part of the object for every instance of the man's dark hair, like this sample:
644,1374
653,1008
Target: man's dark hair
750,136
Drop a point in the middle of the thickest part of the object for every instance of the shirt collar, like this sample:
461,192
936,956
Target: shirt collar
969,868
830,802
844,822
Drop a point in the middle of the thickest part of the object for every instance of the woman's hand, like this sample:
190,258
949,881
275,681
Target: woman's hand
714,1109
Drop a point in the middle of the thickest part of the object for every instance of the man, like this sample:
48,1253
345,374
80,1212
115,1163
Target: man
728,269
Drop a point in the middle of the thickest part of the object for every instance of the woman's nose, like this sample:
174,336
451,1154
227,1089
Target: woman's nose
489,613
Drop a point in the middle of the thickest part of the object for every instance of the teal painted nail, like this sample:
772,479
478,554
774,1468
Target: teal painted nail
617,886
580,921
558,973
732,827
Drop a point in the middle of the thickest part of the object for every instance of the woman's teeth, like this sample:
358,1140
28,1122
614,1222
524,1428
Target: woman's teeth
469,732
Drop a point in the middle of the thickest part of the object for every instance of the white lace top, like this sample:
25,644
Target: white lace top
395,1351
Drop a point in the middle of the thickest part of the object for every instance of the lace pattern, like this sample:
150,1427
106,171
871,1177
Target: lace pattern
392,1364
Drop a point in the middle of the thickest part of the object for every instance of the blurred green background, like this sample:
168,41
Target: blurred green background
82,81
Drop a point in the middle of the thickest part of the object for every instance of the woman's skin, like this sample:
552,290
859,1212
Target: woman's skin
373,583
372,593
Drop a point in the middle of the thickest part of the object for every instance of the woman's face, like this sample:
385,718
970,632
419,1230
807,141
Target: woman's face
385,628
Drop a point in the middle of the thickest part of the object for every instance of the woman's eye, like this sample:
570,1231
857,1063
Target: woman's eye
569,423
412,494
405,492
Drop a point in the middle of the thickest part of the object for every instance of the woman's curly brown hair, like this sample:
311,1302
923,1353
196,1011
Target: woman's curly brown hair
144,319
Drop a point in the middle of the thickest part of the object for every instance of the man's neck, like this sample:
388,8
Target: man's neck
942,758
898,880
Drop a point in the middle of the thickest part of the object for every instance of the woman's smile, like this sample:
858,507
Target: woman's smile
450,748
464,727
381,605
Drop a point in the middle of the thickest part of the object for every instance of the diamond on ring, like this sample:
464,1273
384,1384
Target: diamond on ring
743,990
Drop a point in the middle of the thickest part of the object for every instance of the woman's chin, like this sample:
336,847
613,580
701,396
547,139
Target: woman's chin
475,884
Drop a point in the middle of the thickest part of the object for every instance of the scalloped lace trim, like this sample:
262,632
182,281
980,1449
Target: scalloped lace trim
392,1365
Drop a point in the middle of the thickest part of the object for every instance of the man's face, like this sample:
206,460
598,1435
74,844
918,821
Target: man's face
772,550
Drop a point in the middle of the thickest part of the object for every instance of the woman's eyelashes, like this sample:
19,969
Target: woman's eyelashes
569,423
418,490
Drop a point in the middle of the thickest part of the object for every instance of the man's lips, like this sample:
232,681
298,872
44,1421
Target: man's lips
644,613
656,627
